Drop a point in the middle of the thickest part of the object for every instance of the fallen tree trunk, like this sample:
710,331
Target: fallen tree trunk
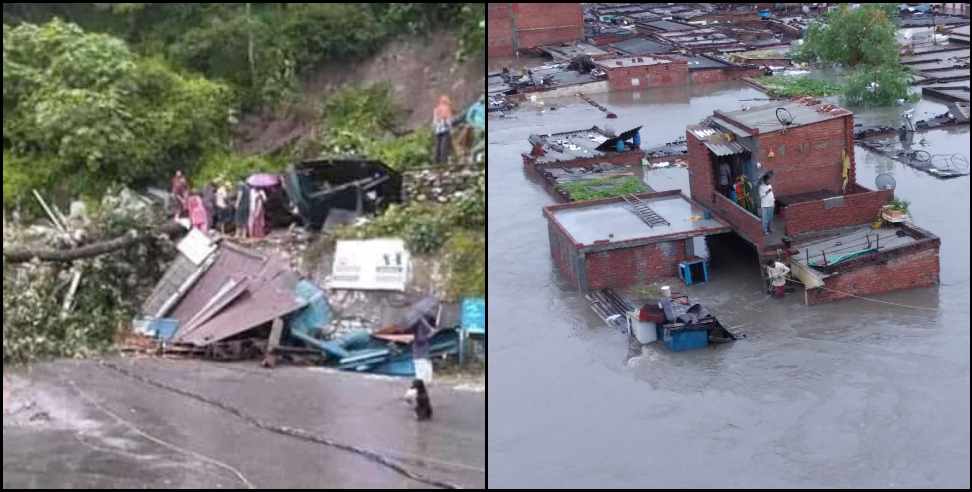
24,255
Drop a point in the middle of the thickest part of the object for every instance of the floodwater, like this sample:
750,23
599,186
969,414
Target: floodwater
850,394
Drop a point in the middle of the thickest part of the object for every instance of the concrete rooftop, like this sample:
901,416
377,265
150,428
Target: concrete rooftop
596,222
849,241
581,144
764,118
635,61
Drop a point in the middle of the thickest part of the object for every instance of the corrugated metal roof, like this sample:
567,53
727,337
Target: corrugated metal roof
272,295
178,273
724,149
702,132
232,261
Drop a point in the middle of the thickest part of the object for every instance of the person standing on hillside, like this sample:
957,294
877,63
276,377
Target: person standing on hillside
442,122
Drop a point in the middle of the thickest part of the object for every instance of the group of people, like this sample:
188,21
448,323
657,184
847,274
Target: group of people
741,192
213,208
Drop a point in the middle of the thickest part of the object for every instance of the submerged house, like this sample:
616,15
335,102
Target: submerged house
580,148
823,216
629,240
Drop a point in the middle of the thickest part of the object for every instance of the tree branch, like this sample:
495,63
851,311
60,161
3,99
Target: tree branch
24,255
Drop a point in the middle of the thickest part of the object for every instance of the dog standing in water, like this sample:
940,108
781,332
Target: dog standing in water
423,406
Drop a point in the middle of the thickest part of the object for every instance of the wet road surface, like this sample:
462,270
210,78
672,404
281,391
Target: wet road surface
85,425
848,394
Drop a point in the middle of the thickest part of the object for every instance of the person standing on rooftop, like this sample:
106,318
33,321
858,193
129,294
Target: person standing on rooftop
767,203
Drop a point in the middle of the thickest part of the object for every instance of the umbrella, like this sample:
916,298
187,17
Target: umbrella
263,180
425,307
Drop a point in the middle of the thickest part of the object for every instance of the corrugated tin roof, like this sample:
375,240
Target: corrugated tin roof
702,132
272,295
716,140
232,261
724,149
178,273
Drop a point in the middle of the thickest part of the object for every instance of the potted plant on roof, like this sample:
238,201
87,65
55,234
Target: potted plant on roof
896,210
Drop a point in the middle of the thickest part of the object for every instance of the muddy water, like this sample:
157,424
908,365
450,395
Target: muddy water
847,394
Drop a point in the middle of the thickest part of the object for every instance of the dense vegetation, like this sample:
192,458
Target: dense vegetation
261,48
128,93
82,112
102,95
35,325
795,86
863,40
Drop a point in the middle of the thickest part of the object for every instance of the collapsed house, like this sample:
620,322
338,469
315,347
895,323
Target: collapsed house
228,302
338,191
629,240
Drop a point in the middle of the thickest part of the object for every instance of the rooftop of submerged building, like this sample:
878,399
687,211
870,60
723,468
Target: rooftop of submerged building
768,118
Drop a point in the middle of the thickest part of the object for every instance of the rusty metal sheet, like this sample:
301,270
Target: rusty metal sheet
272,295
232,260
234,289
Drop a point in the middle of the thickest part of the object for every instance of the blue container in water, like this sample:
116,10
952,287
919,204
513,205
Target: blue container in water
682,339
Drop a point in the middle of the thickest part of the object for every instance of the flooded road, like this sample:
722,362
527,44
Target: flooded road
850,394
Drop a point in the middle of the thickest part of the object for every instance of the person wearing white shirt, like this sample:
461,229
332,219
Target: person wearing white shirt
777,273
767,203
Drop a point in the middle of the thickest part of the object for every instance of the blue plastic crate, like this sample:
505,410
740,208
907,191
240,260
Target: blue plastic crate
681,340
701,268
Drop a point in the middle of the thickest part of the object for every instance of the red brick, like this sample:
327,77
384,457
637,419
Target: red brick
625,267
918,267
622,78
528,25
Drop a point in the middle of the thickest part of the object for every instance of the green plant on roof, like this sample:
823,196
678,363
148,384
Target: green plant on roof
899,205
593,189
797,86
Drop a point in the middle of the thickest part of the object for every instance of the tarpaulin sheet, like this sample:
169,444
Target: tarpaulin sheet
474,316
316,315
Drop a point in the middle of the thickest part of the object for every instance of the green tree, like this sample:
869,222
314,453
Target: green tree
852,37
93,113
878,86
864,41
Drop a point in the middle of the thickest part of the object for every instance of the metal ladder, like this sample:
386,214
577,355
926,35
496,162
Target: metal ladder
640,208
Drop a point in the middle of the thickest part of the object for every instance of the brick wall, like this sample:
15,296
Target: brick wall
859,208
624,267
640,77
704,76
915,265
628,158
540,24
562,251
744,223
701,179
499,26
808,158
536,24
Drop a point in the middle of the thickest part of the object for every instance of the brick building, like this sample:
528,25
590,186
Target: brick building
605,243
518,26
824,213
640,72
